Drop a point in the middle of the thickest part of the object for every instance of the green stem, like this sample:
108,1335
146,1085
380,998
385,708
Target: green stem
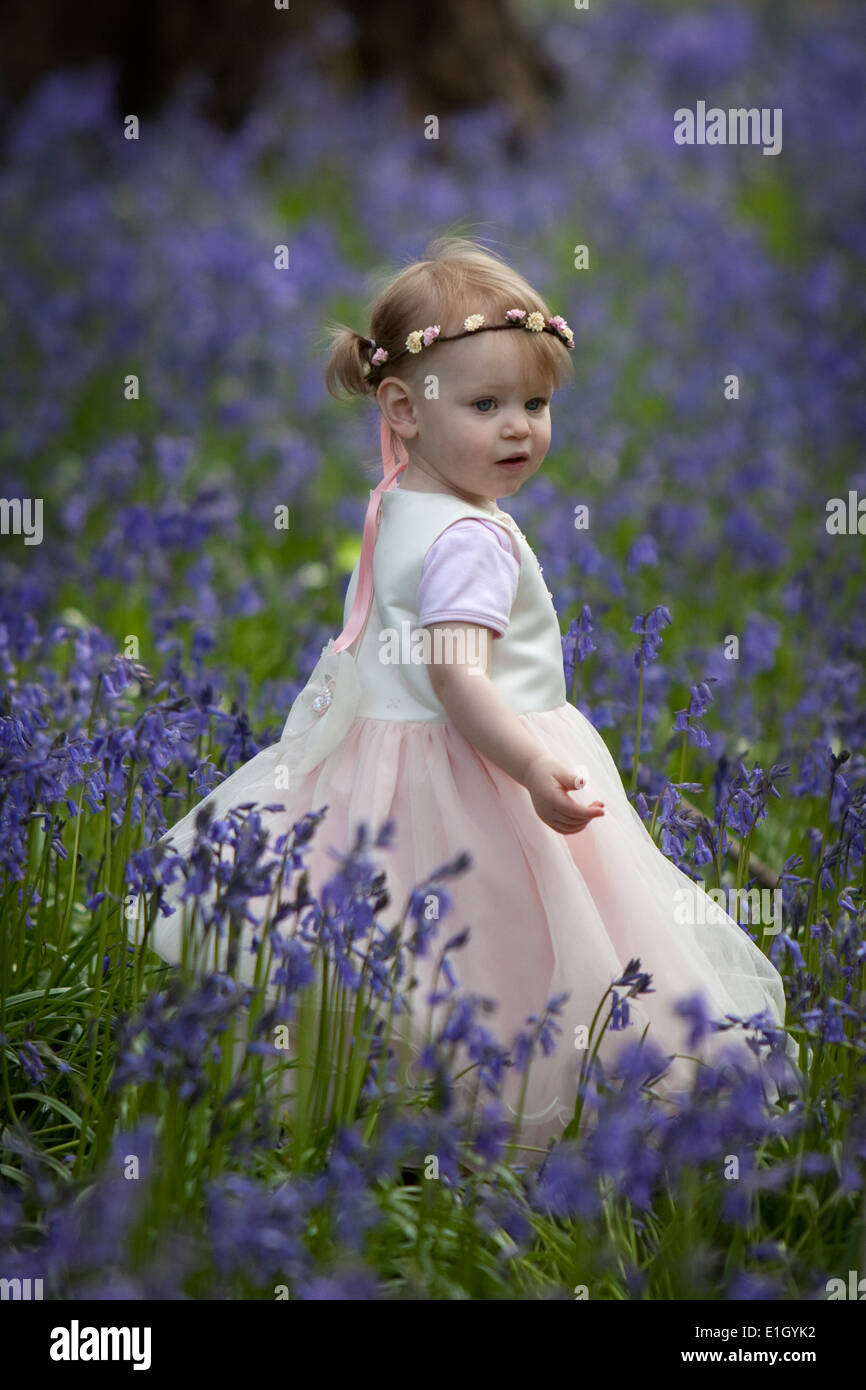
639,721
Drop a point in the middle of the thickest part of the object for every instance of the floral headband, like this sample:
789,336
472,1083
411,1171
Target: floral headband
514,318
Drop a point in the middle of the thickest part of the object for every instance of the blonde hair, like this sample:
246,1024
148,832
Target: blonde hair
457,277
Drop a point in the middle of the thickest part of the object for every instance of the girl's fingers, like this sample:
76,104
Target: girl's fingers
570,806
569,826
569,818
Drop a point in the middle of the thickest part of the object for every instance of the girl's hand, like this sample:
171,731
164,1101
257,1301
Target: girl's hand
481,713
549,783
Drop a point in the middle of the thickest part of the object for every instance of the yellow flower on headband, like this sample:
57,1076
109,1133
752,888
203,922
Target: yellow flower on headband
421,338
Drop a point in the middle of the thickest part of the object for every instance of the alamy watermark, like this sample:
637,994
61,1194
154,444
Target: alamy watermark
713,905
77,1343
738,125
415,646
22,516
855,1289
22,1289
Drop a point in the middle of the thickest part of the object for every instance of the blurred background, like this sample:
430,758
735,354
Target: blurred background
153,258
453,56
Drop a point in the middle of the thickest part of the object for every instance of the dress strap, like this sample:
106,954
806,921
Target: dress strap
390,442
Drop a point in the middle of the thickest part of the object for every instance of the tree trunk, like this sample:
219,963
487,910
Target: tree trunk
450,55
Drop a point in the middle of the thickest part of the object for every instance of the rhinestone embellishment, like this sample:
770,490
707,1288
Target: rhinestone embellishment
321,702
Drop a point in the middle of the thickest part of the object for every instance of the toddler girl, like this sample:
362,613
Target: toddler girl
443,708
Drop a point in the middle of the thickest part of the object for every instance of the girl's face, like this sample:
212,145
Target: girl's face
492,403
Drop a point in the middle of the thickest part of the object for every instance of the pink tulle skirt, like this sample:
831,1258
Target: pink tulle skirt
548,913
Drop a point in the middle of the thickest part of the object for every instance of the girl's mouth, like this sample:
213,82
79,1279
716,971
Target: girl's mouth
513,462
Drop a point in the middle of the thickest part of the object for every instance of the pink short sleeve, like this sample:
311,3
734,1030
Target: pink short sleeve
469,575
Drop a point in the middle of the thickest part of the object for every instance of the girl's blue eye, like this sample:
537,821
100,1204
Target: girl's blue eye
485,400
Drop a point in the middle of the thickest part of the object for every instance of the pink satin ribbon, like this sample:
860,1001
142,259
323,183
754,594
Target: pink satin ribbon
364,592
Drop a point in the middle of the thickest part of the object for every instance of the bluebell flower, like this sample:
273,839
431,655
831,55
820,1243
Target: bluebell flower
32,1064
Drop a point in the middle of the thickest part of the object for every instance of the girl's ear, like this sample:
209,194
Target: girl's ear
397,407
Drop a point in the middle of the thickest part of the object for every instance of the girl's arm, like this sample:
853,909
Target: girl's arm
482,714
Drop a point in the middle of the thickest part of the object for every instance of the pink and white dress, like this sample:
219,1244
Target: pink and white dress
548,913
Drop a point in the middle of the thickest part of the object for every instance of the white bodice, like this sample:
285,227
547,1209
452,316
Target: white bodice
525,663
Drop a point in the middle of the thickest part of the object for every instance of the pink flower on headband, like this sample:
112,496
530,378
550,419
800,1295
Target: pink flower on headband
421,338
559,323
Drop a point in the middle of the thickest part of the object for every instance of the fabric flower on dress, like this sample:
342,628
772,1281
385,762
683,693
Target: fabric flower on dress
322,712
